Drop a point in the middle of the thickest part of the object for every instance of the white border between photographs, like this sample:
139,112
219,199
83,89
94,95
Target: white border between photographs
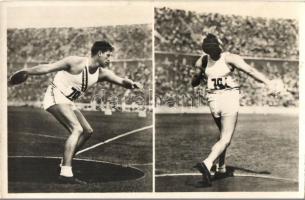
180,195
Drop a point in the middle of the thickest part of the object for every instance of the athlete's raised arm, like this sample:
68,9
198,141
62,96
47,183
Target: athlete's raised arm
63,64
108,75
239,63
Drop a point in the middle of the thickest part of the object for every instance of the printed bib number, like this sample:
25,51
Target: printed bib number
217,83
74,94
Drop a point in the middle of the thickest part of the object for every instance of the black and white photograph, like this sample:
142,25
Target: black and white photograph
79,98
152,99
227,97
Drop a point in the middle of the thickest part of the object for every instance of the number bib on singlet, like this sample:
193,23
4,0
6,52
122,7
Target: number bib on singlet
220,83
217,83
74,94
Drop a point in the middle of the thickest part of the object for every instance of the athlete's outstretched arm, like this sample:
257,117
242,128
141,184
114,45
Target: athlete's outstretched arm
197,77
47,68
239,63
108,75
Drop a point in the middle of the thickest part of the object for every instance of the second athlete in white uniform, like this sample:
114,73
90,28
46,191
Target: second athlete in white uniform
222,90
74,76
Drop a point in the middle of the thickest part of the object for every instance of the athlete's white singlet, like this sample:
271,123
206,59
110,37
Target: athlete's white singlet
222,89
220,75
67,87
73,86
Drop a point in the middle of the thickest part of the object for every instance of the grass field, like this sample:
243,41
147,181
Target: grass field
34,132
266,143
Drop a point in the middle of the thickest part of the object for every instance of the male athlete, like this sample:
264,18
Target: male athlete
222,90
74,76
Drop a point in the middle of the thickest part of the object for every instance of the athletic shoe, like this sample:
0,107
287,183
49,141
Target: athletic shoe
206,175
221,175
70,180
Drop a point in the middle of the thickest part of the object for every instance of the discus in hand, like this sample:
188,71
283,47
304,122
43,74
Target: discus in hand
277,87
18,77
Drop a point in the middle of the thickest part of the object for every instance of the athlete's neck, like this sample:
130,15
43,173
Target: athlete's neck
210,59
92,65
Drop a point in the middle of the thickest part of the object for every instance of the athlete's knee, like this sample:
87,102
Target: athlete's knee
77,129
226,141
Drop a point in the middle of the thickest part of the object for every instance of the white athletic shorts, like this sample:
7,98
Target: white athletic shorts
224,102
54,96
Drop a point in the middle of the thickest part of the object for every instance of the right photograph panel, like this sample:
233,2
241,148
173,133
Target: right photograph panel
227,97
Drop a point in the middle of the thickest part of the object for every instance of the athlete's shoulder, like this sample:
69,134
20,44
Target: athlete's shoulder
106,72
230,57
76,63
75,59
106,75
227,54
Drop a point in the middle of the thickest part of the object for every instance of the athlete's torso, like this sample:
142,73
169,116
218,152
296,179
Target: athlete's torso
219,75
74,85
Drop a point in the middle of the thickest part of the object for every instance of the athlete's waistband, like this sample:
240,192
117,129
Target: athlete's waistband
60,91
222,90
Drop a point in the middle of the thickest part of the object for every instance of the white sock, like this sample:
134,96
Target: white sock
221,169
66,171
208,164
61,161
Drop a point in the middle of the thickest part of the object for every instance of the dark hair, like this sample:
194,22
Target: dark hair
102,46
212,46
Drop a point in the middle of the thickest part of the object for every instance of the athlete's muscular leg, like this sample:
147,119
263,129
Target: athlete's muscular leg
65,115
222,157
86,127
228,124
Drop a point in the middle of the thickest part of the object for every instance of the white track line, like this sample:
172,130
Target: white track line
114,138
235,174
142,164
178,174
42,135
265,176
79,159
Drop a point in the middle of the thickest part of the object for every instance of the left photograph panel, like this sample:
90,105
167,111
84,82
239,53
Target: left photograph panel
79,98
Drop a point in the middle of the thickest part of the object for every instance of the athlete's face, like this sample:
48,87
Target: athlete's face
104,58
215,52
214,49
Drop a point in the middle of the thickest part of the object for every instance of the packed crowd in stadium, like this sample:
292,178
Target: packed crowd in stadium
29,47
179,33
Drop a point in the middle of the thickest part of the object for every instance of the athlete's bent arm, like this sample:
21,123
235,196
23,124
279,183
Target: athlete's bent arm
239,63
108,75
47,68
197,77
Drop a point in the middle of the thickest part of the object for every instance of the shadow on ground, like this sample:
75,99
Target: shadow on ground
236,180
46,170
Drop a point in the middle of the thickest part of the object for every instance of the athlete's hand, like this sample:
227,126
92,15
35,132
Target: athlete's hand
18,77
276,87
199,70
137,85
